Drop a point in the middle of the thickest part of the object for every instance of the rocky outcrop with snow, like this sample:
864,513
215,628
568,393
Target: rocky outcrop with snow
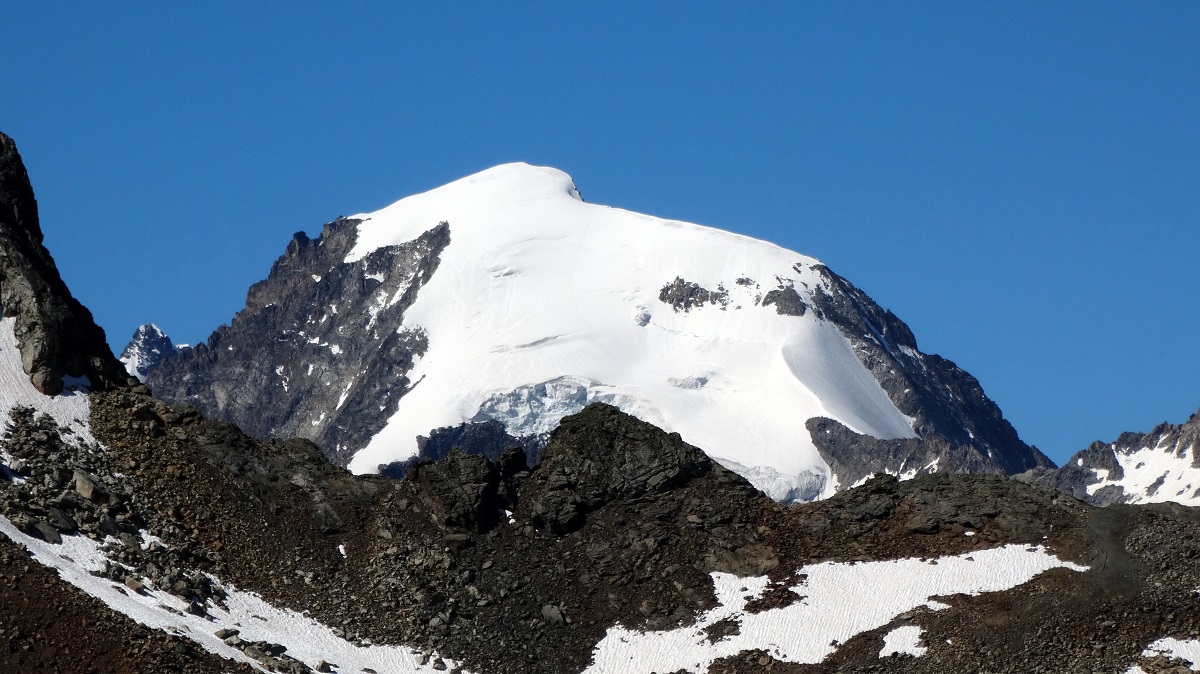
146,349
504,298
1162,465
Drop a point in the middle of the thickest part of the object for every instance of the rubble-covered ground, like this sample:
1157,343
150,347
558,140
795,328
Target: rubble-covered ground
508,569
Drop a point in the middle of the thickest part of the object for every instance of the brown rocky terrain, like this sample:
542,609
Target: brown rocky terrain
618,523
49,627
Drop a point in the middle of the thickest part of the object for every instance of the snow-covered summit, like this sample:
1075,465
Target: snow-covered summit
504,297
537,286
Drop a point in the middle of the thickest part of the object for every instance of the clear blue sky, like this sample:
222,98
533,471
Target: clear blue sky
1020,182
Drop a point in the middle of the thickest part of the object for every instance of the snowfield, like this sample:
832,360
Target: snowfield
838,601
732,376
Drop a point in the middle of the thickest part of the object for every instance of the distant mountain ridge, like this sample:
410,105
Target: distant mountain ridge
504,298
1162,465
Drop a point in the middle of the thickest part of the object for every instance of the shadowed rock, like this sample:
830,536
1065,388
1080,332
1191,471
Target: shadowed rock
603,454
56,335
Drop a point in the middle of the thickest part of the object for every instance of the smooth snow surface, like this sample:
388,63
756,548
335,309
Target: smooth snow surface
68,409
904,640
306,640
838,601
1155,474
542,303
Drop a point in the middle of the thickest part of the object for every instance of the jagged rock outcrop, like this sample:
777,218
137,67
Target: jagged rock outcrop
944,401
855,457
602,455
316,352
486,438
1162,465
55,333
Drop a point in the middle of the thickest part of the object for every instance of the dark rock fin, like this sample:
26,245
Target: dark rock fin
319,351
56,335
943,399
853,456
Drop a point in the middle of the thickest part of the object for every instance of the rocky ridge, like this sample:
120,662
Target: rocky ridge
282,369
511,569
948,405
1162,465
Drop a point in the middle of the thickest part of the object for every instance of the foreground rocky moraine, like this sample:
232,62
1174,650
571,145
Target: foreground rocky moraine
618,523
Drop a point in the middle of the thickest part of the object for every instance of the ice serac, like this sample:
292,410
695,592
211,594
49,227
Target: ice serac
56,335
1162,465
504,300
146,349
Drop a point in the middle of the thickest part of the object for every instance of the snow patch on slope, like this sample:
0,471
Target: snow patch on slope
838,601
1170,647
538,289
904,640
256,620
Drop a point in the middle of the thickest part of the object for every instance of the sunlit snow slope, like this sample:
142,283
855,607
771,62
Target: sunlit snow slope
538,287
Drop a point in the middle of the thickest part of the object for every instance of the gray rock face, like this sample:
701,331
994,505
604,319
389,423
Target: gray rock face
855,457
148,347
467,487
946,403
787,301
1093,474
317,352
56,335
486,438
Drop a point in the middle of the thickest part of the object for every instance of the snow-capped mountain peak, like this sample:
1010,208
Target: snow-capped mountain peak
146,349
537,285
505,298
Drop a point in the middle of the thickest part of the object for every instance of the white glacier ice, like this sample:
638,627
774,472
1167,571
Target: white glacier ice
538,288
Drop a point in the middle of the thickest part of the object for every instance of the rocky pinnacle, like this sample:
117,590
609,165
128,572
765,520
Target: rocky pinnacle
56,335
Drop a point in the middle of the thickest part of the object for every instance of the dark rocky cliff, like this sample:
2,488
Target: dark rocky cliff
56,335
947,404
317,352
